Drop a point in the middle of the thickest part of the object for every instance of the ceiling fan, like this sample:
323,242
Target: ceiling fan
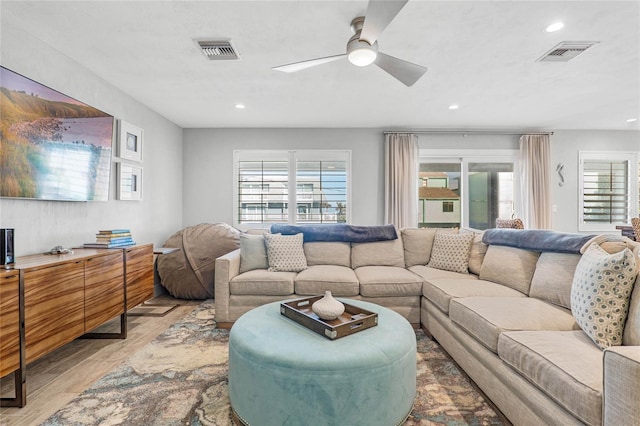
362,47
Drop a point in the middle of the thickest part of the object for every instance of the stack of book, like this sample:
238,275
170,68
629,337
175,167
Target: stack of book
111,238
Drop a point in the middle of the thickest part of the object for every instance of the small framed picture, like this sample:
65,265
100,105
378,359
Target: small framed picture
129,182
129,141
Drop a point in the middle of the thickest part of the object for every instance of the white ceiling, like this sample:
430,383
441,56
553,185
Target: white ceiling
480,55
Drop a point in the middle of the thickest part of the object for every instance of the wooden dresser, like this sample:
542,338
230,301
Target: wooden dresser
9,322
139,271
46,301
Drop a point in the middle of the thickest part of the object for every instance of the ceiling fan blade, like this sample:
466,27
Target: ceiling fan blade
379,16
406,72
298,66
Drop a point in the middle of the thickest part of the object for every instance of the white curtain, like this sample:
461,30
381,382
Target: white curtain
401,179
535,180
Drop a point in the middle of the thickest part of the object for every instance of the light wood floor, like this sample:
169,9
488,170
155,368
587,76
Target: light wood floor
57,378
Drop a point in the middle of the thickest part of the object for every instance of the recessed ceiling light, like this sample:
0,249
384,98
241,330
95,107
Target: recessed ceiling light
240,106
556,26
632,120
454,106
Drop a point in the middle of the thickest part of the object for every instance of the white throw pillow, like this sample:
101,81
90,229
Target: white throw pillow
600,293
285,252
450,252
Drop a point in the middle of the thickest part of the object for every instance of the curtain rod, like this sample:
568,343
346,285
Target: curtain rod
469,132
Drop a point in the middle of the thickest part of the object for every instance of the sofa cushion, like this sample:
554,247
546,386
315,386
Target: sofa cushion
477,253
566,365
381,281
417,244
600,293
552,278
631,336
253,252
380,253
432,273
263,282
450,252
328,253
510,266
485,318
340,280
441,291
285,253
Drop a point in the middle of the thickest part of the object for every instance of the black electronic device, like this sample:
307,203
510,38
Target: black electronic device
7,255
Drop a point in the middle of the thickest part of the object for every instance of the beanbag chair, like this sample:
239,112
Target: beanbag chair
189,272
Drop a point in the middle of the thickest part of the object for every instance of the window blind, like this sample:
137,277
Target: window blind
263,191
605,191
291,187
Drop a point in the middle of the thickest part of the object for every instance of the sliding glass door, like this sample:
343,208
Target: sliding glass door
466,191
439,195
490,194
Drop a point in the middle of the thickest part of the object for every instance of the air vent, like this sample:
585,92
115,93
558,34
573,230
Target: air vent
218,50
566,51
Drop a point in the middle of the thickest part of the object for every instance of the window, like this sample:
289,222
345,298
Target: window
490,194
471,190
439,184
262,190
607,192
262,180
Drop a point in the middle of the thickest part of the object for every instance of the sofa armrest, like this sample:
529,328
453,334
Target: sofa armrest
227,267
621,385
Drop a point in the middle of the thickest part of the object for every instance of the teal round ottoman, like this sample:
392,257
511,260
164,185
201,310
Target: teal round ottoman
281,373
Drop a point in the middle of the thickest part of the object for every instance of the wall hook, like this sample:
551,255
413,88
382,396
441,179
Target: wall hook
560,170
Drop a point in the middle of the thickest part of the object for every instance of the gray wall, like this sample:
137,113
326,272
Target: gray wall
565,145
40,225
208,167
468,141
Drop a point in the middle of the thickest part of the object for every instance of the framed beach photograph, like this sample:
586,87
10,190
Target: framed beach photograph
129,182
54,147
129,141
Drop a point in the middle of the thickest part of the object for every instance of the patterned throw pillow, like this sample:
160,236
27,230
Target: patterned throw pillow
509,223
635,225
450,252
285,252
600,293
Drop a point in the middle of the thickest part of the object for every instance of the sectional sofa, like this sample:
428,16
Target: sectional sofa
498,302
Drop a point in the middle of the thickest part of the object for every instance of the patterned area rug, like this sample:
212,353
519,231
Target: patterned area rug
180,378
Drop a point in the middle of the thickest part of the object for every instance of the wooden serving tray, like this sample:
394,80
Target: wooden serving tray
353,319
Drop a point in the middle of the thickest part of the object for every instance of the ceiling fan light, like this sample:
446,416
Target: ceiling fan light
362,57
